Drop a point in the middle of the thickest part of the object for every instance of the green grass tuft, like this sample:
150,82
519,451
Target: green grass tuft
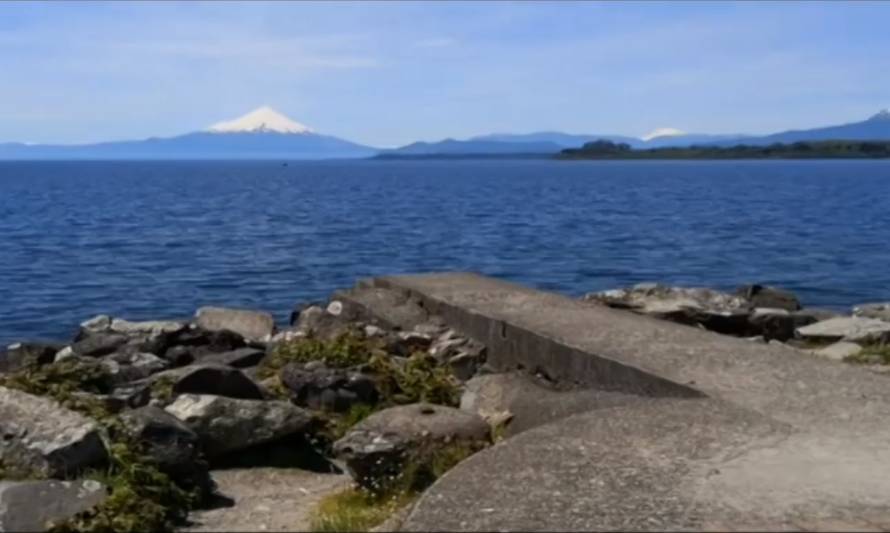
358,509
355,509
874,354
348,349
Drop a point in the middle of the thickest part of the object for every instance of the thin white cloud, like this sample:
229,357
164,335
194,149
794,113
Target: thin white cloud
438,42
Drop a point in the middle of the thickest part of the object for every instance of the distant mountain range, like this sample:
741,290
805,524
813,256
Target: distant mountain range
261,134
268,134
875,128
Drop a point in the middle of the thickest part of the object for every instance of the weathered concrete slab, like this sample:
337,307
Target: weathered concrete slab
573,342
726,434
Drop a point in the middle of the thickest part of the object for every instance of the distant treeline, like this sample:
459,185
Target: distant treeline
800,150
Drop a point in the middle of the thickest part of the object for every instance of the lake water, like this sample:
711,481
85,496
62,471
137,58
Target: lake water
153,240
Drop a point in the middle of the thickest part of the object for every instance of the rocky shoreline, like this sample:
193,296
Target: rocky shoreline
121,427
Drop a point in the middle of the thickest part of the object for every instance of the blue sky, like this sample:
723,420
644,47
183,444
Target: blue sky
394,72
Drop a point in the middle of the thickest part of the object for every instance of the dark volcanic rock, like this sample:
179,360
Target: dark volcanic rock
22,354
99,344
240,358
225,424
171,443
387,308
213,379
376,449
319,387
35,505
320,324
769,297
39,435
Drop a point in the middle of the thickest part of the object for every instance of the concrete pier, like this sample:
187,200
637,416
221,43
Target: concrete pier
719,433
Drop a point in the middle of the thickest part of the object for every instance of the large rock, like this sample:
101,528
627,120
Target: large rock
880,311
378,448
387,308
22,354
99,344
147,328
329,389
125,366
36,505
39,435
170,443
218,380
852,329
769,297
713,310
319,323
225,424
249,324
240,358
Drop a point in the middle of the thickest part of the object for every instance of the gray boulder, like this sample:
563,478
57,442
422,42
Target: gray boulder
881,311
378,448
127,366
173,446
225,424
99,344
769,297
386,308
710,309
37,505
145,328
249,324
218,380
319,323
22,354
240,358
39,435
328,389
850,328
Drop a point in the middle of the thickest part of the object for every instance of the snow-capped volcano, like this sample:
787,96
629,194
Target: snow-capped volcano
662,132
262,120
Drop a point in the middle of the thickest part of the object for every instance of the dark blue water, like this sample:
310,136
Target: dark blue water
149,240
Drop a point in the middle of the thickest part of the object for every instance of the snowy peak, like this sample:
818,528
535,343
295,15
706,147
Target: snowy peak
262,120
662,132
881,115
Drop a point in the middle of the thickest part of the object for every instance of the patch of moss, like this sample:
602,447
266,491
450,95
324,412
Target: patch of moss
355,509
60,380
874,354
338,425
10,472
162,389
347,350
141,497
420,379
358,509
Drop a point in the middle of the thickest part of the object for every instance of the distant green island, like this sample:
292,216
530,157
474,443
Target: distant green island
799,150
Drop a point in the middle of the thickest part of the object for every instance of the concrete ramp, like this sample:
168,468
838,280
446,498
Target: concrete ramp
726,434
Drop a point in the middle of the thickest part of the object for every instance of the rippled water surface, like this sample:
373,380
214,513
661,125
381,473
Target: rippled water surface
148,240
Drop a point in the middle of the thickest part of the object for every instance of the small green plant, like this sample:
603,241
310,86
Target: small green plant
356,509
359,509
418,380
61,380
338,425
873,354
348,349
162,389
141,497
